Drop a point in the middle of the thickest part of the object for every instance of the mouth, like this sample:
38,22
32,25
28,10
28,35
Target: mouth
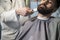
41,6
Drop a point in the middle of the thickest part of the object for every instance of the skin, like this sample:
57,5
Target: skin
24,11
50,4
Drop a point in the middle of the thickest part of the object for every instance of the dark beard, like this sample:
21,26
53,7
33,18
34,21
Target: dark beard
44,11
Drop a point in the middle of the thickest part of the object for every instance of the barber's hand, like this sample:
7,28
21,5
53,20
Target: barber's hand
24,11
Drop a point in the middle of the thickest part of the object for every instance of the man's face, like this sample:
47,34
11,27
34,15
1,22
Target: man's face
46,6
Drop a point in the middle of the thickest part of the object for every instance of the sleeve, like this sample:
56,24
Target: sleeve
59,31
0,28
0,31
8,15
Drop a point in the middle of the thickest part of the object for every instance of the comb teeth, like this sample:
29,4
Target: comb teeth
35,9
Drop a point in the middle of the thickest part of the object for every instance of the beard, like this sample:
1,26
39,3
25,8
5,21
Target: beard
44,10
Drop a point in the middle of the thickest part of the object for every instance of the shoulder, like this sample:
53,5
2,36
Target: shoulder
57,19
31,20
28,24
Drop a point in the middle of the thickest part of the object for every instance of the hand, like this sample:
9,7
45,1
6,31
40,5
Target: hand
24,11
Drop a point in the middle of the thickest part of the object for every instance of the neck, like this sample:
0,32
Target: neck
44,16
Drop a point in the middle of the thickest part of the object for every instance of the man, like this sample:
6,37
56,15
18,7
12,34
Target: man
42,27
10,23
10,17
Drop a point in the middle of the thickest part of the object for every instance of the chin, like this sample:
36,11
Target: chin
44,11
